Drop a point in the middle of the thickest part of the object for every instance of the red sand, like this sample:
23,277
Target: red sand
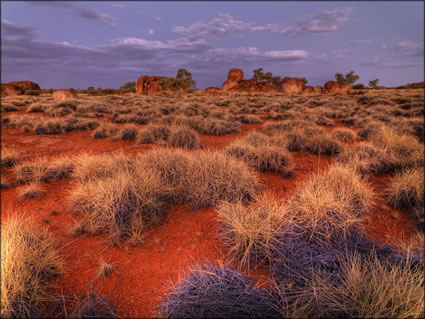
145,274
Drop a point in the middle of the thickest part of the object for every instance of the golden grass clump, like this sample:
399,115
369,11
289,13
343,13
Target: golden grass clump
368,287
203,178
331,203
32,191
406,191
29,260
184,137
251,232
262,153
123,204
10,156
343,135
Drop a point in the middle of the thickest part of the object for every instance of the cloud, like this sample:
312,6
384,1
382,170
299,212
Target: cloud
364,41
409,48
81,10
385,62
11,30
222,57
322,22
150,31
224,24
157,18
118,5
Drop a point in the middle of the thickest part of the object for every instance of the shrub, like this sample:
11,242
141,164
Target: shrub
32,190
122,205
184,137
153,134
29,260
250,232
261,158
10,156
406,191
367,287
128,133
203,178
210,126
50,127
216,292
343,135
36,108
32,92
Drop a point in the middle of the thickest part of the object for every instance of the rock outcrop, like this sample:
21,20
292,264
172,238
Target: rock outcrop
19,85
8,90
211,91
416,85
333,87
149,85
234,76
63,95
291,85
252,86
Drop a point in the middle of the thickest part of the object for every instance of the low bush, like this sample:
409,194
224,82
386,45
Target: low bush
250,232
29,261
153,134
406,191
184,137
216,292
343,135
31,191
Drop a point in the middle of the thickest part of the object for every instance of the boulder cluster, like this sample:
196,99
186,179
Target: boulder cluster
18,87
236,83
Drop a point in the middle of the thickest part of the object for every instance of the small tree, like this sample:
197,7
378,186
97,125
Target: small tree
358,86
259,76
304,80
128,87
183,79
374,83
349,78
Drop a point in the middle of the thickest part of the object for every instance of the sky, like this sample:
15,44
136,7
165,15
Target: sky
77,44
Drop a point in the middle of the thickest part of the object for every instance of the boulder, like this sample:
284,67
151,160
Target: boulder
416,85
211,91
235,75
309,90
228,84
252,86
318,89
149,84
333,87
19,85
8,90
291,85
63,95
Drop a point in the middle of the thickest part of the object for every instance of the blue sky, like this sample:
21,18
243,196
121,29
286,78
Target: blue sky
105,44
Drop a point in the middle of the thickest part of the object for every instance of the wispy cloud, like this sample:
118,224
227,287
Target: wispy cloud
150,31
323,22
224,24
81,10
118,5
157,18
386,62
409,48
363,41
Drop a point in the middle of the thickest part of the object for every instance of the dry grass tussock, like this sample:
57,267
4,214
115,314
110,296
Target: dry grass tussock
263,153
44,170
216,292
343,135
122,205
304,136
387,151
123,196
406,191
29,260
367,287
250,232
10,156
32,191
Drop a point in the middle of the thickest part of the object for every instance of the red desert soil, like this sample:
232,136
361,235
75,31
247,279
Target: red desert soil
145,274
